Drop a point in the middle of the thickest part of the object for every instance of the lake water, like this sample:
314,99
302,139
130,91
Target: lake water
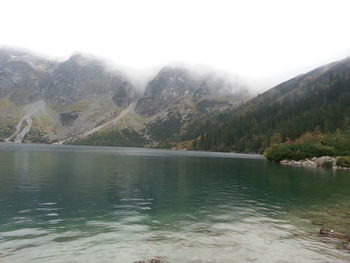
106,204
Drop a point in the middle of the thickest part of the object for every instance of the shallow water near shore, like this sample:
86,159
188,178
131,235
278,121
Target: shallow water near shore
109,204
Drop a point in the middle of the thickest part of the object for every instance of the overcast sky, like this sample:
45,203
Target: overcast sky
266,40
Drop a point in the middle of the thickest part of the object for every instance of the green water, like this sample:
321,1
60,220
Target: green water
105,204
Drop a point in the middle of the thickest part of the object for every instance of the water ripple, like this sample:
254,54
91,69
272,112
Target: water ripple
86,204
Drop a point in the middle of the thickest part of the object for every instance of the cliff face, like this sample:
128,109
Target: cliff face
172,84
80,77
23,78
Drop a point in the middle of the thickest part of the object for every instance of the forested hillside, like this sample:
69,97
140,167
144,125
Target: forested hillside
320,98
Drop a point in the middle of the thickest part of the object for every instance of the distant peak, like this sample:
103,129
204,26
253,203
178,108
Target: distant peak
173,72
79,58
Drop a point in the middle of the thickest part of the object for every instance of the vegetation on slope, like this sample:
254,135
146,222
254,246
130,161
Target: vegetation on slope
343,161
113,137
315,144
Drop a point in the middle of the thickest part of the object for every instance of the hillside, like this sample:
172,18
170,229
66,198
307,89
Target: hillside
320,98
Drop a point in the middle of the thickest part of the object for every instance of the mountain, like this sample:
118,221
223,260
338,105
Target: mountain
172,102
48,101
81,100
319,100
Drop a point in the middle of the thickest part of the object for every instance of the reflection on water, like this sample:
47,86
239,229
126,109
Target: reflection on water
105,204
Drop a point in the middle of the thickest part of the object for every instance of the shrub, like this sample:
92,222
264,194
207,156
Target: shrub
343,161
277,153
327,164
298,151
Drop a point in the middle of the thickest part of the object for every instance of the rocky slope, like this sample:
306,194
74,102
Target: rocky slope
81,100
75,95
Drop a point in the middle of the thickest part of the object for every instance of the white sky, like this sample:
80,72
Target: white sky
265,40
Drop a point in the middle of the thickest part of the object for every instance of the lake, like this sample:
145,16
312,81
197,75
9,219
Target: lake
109,204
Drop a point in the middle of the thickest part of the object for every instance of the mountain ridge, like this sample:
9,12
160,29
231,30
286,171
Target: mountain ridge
83,94
84,101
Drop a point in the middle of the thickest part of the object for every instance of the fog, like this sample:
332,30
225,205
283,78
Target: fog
262,42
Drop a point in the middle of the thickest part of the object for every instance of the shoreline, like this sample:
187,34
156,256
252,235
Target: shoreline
143,150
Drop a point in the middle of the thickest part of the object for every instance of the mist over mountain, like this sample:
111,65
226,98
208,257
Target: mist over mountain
85,100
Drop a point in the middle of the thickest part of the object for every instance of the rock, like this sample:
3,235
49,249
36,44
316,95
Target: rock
153,260
325,161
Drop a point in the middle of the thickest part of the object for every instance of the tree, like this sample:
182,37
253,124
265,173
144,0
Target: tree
276,139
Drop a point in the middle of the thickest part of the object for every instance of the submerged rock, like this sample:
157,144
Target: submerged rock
153,260
347,248
200,261
335,235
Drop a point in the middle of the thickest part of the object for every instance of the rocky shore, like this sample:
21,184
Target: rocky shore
324,161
